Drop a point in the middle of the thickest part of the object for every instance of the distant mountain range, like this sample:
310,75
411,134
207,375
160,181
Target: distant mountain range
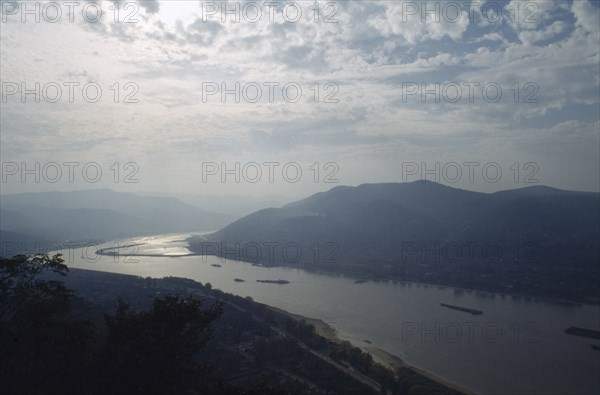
535,239
425,230
97,215
235,205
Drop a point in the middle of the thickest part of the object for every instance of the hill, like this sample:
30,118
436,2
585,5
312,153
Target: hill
98,215
531,238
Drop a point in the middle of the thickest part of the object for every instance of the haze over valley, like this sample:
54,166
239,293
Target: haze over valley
247,197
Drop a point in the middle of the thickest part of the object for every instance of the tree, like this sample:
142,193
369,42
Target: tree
44,350
41,346
153,351
21,286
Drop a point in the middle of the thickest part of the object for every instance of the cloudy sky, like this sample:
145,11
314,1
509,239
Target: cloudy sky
347,87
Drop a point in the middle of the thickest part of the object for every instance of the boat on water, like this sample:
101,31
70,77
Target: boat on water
215,265
361,281
592,334
273,281
239,280
464,309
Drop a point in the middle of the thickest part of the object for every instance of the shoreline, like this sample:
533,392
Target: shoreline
380,280
379,355
351,276
394,363
593,301
322,328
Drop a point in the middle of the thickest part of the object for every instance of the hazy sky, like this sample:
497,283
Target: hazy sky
372,61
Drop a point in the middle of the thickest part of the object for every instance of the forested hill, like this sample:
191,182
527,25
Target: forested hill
430,231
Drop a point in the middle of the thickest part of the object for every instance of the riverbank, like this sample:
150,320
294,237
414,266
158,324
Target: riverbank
322,328
395,363
380,356
375,311
356,276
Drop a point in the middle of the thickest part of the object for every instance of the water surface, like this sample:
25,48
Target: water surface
517,346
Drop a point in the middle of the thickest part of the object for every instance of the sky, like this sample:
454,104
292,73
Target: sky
292,98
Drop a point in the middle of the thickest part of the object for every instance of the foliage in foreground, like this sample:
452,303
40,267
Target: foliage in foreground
46,350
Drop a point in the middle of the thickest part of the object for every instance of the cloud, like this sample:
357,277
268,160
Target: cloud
367,54
200,33
529,37
588,16
414,28
151,6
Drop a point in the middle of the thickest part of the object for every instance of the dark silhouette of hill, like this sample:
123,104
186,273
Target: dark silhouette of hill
431,231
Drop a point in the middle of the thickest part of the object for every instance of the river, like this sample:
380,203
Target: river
517,346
